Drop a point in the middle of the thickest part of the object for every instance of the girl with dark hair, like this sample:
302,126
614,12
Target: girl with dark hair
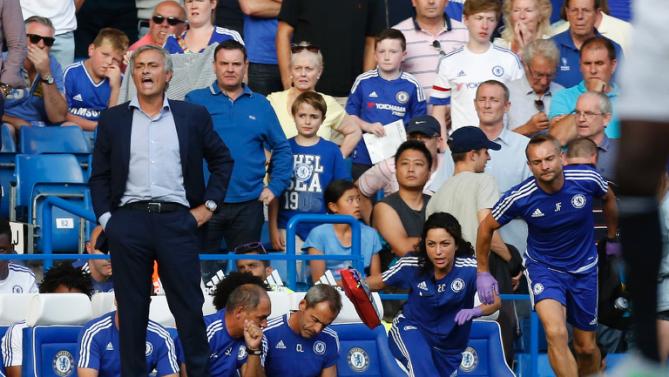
342,198
432,331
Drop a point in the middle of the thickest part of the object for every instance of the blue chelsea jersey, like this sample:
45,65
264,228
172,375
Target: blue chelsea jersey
84,97
433,304
227,354
284,350
561,225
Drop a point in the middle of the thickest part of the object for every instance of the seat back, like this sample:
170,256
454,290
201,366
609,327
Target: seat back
160,312
364,352
281,303
38,140
50,351
7,144
484,355
101,303
47,309
14,307
32,170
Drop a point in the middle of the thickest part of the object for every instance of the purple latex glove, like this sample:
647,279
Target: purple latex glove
466,315
486,285
613,249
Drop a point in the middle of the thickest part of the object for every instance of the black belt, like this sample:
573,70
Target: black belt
155,207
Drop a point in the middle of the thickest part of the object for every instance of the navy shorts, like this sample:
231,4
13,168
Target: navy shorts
576,292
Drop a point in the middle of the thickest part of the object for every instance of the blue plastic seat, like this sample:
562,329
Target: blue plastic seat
7,144
484,355
40,176
50,140
365,352
50,351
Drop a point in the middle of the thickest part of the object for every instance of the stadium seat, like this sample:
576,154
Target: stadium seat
50,341
208,306
101,303
484,355
14,307
7,153
281,303
365,352
55,140
7,144
39,176
159,312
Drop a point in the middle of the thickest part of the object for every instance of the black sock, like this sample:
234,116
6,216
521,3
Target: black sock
642,250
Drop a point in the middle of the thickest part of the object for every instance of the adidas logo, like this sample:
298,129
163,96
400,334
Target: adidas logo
373,95
78,97
110,347
280,345
461,73
537,213
422,285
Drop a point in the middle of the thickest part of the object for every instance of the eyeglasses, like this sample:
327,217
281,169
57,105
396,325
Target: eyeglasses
539,105
34,39
250,247
172,21
586,114
295,48
540,75
436,44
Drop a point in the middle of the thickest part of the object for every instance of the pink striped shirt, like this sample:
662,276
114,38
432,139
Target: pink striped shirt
423,52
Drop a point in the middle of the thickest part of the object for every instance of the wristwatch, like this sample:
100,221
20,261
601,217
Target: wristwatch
5,89
48,79
211,205
253,352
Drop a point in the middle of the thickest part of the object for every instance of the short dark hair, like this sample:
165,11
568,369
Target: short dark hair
336,190
324,293
477,6
459,156
313,99
65,274
230,44
237,289
252,248
495,83
581,147
414,145
540,139
599,42
391,34
5,229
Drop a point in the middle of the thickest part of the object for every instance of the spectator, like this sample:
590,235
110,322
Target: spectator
228,13
98,349
316,163
201,31
306,338
97,14
169,18
581,15
43,99
430,35
235,330
344,32
255,267
61,278
14,278
63,16
593,114
382,175
13,32
94,84
399,218
607,25
100,270
306,67
531,95
460,72
470,194
260,24
598,63
247,123
383,95
525,21
342,198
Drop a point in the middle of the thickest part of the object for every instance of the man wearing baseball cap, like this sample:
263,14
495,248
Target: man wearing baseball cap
381,176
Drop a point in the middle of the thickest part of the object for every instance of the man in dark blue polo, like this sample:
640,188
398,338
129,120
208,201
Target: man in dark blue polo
581,15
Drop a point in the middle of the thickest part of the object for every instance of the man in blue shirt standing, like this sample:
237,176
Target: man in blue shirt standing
303,338
561,257
247,123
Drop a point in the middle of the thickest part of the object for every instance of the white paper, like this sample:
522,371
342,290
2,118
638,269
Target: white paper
384,147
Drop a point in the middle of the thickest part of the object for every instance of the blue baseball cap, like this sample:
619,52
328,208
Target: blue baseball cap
424,124
470,138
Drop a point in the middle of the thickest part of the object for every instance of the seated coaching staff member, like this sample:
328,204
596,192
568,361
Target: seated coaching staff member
147,173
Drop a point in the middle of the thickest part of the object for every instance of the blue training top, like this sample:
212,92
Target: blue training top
561,225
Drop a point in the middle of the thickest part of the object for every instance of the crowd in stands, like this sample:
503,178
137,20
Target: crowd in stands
294,94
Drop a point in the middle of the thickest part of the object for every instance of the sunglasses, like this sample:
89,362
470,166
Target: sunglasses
436,44
539,105
295,48
34,39
256,247
172,21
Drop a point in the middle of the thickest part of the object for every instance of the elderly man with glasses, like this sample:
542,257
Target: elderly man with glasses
531,95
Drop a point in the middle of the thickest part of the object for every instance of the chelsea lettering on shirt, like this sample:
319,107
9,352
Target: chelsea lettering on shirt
227,354
284,350
85,98
561,225
433,304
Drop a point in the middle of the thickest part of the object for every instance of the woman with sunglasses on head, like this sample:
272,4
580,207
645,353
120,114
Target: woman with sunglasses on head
306,67
524,21
201,30
432,331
